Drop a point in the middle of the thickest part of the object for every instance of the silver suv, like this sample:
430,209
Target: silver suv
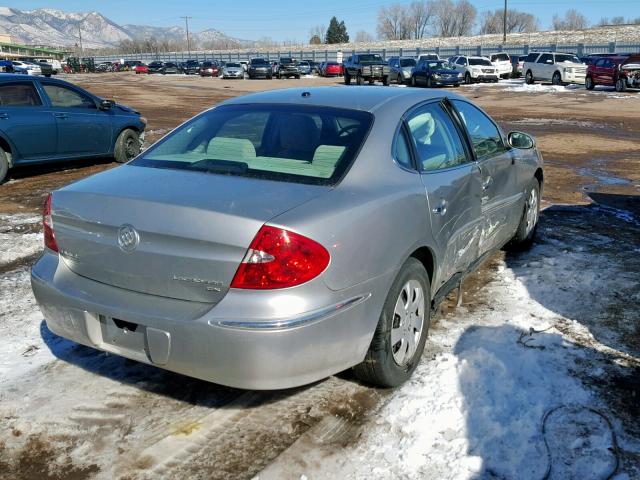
475,69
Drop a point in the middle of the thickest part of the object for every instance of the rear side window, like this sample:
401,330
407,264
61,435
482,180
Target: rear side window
64,97
402,151
485,136
292,143
19,95
546,58
438,144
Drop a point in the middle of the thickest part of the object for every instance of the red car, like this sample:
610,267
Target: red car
332,68
141,69
209,69
621,72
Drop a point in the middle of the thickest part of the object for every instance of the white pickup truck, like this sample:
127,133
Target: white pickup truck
558,68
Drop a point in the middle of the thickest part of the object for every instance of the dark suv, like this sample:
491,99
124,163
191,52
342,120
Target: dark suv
190,67
621,72
366,67
259,68
288,67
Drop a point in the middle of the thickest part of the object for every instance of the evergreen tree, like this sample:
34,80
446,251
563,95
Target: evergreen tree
337,32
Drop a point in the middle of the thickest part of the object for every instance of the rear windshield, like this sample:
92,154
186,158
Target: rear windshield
407,62
290,143
479,61
500,57
372,58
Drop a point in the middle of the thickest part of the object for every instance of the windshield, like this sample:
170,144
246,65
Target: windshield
440,66
287,60
233,65
290,143
500,57
479,61
259,61
371,58
562,58
407,62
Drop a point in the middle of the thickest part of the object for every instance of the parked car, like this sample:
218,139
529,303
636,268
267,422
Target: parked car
27,68
367,67
502,62
56,65
241,249
315,66
232,70
332,69
435,73
69,122
209,69
400,69
141,68
304,67
620,72
46,69
558,68
131,64
427,56
190,67
476,69
260,68
169,68
155,67
517,64
287,68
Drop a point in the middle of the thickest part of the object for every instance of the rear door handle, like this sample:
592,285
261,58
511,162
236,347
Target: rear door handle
60,115
441,208
4,116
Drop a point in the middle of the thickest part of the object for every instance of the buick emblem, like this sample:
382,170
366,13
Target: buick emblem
128,238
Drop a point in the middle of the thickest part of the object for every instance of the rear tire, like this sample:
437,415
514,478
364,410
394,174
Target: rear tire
405,318
4,166
588,83
526,232
127,146
347,78
385,81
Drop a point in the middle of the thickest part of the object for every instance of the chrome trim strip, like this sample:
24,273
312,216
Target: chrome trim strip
305,319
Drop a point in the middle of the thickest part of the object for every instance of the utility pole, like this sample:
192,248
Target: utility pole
504,23
80,35
186,23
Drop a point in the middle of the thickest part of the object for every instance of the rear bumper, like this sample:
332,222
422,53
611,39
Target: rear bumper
194,339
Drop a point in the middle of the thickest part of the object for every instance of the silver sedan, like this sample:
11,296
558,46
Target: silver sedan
285,236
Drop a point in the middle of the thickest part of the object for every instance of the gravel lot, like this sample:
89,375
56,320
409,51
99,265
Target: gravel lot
547,340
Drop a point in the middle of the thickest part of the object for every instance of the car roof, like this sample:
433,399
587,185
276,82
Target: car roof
364,98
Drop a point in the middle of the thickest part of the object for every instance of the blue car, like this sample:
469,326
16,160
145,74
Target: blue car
45,120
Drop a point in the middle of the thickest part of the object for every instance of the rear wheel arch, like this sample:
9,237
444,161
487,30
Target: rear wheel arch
426,256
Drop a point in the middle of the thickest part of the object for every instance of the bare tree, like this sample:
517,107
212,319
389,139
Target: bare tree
454,18
517,22
617,21
319,31
604,21
393,23
420,15
363,37
573,20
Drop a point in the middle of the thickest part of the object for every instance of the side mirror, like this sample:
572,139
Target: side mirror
521,141
106,104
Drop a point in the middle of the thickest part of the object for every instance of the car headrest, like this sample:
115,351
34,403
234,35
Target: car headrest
228,148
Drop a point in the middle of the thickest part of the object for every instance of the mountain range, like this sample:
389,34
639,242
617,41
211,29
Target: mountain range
52,27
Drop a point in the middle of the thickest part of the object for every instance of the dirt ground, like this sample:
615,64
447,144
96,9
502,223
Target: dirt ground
589,143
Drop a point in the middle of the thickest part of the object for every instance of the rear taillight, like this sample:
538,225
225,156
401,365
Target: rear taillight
47,223
278,258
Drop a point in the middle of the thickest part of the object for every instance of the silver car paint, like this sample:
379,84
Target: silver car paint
371,222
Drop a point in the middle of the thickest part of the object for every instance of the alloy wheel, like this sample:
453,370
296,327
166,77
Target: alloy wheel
532,211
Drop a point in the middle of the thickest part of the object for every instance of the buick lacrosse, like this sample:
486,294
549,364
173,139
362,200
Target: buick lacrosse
285,236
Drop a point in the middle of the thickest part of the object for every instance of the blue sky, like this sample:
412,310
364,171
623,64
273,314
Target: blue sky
292,19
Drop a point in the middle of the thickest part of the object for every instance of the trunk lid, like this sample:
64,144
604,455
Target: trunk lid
191,229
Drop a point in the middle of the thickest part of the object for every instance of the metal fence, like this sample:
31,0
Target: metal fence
321,55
